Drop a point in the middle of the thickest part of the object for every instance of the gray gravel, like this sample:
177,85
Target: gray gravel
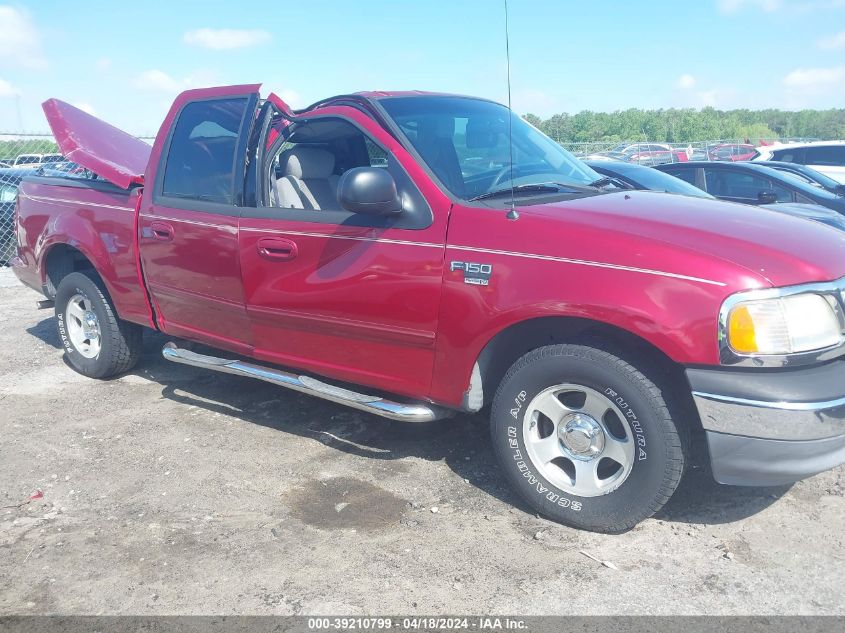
172,490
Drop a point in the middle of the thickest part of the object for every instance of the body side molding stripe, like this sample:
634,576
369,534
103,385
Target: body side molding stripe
583,262
356,238
230,228
50,200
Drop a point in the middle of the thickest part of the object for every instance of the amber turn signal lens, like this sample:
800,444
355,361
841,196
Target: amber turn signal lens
741,331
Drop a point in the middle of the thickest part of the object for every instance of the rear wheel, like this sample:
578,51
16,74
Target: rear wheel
97,343
586,438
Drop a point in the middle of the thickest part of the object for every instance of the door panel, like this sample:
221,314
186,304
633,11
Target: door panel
188,225
194,277
351,304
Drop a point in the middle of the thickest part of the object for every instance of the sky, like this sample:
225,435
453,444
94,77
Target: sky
126,64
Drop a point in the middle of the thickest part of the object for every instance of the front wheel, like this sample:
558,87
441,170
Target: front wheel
97,342
586,438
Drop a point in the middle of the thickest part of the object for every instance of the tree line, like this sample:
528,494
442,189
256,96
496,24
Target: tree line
689,125
666,126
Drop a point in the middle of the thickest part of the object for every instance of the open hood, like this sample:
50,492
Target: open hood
93,144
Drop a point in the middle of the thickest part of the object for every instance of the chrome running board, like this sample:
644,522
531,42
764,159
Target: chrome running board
404,412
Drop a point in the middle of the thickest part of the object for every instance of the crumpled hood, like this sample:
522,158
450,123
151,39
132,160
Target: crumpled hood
774,247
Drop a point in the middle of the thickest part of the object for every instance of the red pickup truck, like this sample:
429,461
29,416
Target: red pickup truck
395,253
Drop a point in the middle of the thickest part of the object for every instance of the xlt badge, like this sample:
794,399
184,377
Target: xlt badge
474,273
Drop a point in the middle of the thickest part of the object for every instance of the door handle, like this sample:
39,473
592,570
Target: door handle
161,231
277,248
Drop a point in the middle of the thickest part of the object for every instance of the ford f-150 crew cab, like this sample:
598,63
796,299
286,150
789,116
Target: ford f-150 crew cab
413,255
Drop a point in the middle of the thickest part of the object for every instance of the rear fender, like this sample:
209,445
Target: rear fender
111,254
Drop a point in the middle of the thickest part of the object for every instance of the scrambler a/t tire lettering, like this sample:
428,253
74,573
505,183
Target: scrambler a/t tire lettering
586,438
96,342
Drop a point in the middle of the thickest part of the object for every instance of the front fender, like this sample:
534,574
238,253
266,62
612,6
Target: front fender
471,320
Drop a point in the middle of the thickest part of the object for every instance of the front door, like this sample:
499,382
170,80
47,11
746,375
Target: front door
350,296
741,186
188,224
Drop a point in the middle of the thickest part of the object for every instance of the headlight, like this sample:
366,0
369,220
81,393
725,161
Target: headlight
784,325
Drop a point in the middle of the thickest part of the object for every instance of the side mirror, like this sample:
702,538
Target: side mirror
767,196
369,190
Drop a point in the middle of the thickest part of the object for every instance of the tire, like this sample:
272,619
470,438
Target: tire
83,307
603,472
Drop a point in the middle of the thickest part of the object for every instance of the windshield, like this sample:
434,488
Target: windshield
464,142
811,176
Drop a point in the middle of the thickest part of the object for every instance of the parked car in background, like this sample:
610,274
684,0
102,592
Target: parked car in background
751,183
814,212
644,153
10,178
828,157
26,160
52,158
70,168
685,154
639,177
807,174
731,152
633,176
605,156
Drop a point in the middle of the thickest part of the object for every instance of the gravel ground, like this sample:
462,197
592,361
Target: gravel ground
173,490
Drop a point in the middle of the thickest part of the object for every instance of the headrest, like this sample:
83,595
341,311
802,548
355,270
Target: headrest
307,162
437,128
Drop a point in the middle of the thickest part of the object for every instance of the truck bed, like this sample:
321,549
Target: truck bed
93,216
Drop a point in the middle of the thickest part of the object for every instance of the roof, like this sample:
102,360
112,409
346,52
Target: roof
387,94
718,164
778,146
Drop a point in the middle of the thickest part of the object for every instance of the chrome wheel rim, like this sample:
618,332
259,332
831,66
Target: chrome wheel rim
83,326
579,440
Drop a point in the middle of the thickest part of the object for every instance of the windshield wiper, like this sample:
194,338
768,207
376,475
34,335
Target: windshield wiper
538,187
607,180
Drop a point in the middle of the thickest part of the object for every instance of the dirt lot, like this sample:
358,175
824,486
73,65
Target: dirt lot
173,490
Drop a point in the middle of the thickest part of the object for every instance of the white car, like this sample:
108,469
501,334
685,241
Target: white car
828,157
27,160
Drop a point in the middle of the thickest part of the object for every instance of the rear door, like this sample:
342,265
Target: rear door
741,186
188,223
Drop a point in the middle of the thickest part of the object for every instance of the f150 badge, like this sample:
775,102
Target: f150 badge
474,273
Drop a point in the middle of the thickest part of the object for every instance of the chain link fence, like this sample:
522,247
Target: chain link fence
24,155
20,155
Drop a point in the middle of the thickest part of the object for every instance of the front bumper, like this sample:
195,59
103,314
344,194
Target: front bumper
771,427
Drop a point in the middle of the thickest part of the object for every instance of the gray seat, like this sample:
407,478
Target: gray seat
436,144
283,194
307,181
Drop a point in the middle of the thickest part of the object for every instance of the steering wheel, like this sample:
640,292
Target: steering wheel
500,176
